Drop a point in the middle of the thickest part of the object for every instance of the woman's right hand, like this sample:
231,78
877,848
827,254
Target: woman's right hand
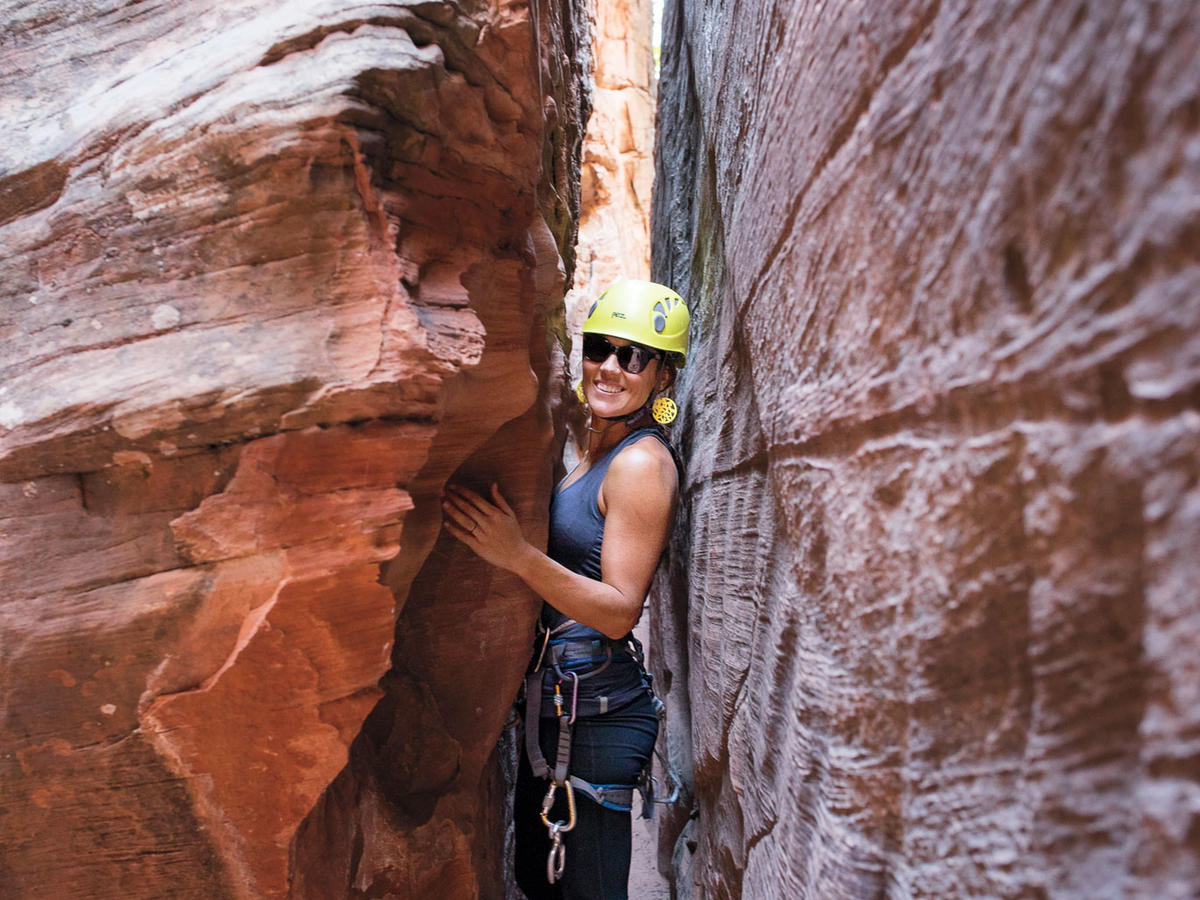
491,530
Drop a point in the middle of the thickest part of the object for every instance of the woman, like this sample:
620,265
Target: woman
590,719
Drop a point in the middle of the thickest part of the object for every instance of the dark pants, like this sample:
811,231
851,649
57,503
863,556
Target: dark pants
609,749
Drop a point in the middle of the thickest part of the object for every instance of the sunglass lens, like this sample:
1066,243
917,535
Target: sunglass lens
631,357
596,348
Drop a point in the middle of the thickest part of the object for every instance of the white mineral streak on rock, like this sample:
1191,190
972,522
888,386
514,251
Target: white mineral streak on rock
11,415
165,316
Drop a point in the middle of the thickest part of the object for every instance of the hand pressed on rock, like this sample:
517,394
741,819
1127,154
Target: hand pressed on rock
489,529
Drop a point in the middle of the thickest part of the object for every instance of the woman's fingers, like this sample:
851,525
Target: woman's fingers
491,530
469,510
500,501
461,516
476,507
464,535
468,498
458,516
462,528
473,510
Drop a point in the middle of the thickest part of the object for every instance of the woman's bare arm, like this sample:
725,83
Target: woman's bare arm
638,500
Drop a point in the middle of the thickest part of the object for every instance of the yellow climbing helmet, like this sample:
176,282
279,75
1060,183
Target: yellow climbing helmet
646,313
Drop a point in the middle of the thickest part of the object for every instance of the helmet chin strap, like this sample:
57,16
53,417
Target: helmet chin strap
628,418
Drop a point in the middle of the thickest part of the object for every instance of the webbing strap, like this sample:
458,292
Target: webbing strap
564,752
533,749
613,796
556,657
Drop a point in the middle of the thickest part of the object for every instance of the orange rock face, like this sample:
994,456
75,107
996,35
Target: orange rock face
270,277
618,164
931,623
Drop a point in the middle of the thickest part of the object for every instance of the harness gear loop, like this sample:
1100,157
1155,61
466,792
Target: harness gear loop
542,653
574,697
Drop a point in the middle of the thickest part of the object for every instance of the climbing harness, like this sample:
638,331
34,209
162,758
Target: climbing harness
552,655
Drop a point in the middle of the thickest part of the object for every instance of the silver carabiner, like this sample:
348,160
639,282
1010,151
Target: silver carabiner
556,862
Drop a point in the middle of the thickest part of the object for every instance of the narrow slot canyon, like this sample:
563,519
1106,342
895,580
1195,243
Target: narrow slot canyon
273,275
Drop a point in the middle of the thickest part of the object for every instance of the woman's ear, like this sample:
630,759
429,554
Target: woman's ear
666,376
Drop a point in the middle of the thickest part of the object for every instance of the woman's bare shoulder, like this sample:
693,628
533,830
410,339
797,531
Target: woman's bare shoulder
644,464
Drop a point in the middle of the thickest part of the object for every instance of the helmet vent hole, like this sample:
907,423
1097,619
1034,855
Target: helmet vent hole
660,322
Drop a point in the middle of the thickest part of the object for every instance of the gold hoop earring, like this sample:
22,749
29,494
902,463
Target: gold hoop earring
579,393
664,411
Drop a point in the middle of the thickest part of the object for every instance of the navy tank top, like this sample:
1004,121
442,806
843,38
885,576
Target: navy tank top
576,523
576,537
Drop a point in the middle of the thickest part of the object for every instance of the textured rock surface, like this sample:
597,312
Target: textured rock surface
618,164
270,274
934,621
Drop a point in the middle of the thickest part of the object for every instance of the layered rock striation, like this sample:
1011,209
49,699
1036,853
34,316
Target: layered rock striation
271,273
930,626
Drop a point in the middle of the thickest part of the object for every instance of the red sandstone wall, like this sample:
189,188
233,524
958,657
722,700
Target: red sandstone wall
932,619
270,274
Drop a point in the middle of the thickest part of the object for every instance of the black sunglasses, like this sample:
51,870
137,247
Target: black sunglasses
632,357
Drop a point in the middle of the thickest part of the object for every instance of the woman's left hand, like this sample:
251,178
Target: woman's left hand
489,529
